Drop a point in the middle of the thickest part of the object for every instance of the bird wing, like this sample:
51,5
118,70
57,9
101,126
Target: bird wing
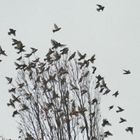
99,5
80,55
55,26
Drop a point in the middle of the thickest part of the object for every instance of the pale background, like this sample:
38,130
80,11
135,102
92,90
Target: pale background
113,35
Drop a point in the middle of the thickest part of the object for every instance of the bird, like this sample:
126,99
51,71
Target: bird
12,32
11,102
28,55
92,59
122,120
111,107
2,52
100,8
12,90
15,99
107,133
19,58
106,122
72,56
81,56
99,78
56,28
115,94
64,51
126,71
119,109
94,101
9,79
56,44
34,50
15,113
129,129
94,69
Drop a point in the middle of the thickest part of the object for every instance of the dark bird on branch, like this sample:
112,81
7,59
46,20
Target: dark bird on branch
64,51
56,28
107,133
126,72
12,32
72,56
81,56
2,52
100,8
9,79
119,109
106,122
122,120
111,107
15,113
129,129
56,44
115,94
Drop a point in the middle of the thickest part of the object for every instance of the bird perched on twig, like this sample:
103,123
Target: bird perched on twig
126,72
122,120
12,32
56,28
129,129
100,8
2,52
119,109
115,94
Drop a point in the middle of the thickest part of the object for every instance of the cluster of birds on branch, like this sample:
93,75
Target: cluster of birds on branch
51,57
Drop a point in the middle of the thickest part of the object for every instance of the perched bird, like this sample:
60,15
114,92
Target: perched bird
72,56
2,52
100,8
126,72
56,44
122,120
119,109
9,79
107,133
106,122
12,32
129,129
115,94
111,107
15,113
81,56
56,28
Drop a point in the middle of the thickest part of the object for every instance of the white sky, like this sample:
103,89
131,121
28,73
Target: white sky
113,35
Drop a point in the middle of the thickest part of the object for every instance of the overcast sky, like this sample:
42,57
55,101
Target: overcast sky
113,35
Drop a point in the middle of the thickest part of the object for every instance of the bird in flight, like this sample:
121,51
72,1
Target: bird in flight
106,122
115,94
119,109
81,56
12,32
129,129
122,120
56,28
2,52
100,8
72,56
9,79
111,107
126,72
107,133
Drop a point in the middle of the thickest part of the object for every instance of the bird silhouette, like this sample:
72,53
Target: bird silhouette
111,107
28,55
56,28
81,56
106,122
100,8
107,133
122,120
2,52
34,50
107,91
0,60
56,44
129,129
12,90
11,103
12,32
72,56
9,79
64,51
115,94
126,72
15,113
92,59
15,99
19,58
94,69
119,109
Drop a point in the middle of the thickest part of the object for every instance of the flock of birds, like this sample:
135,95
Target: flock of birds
20,48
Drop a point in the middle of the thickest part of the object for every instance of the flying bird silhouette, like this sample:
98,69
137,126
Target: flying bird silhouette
56,28
100,8
81,56
119,109
106,122
107,133
129,129
126,72
111,107
122,120
72,56
2,52
9,79
56,44
15,113
12,32
115,94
